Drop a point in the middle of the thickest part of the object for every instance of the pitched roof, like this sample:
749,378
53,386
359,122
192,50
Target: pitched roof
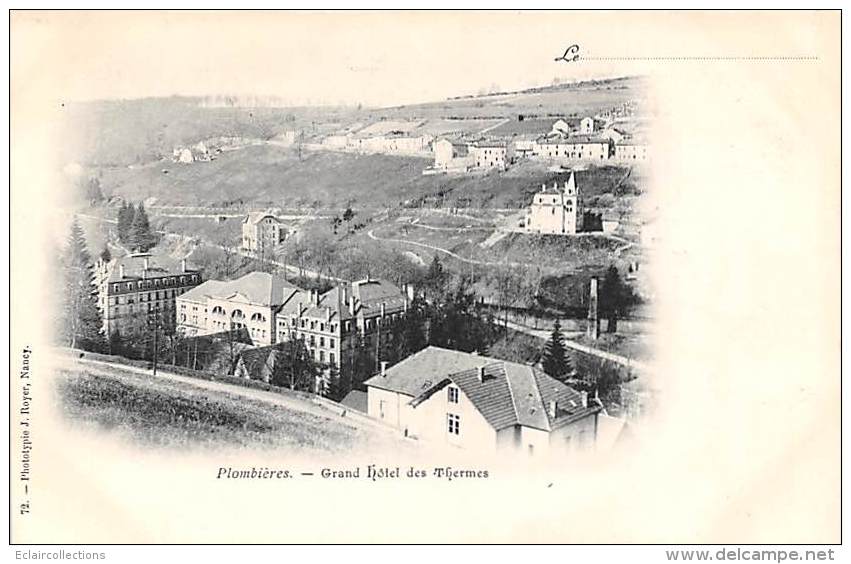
260,288
507,394
368,295
257,217
254,360
134,267
422,370
356,400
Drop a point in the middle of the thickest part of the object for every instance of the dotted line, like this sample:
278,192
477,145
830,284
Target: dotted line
802,58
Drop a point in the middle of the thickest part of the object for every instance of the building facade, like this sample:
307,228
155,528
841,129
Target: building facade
555,211
137,290
262,232
346,320
250,303
492,154
573,148
478,403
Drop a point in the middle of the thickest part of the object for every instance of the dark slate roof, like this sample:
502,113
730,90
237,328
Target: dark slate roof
369,295
255,359
424,369
508,394
134,267
356,400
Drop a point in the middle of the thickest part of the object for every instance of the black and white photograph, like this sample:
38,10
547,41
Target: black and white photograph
366,263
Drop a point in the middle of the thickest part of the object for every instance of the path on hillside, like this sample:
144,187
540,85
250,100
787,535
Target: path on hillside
373,236
315,407
605,355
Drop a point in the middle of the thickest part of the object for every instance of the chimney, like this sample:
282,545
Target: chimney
555,186
121,271
593,329
327,314
584,398
182,265
383,309
481,373
383,368
146,264
409,288
552,409
543,187
351,305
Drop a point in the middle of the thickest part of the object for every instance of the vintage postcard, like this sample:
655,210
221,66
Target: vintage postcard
425,277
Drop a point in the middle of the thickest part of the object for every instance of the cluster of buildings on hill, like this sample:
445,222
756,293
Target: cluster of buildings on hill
587,139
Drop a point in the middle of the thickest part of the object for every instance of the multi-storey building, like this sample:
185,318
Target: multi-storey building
492,154
572,148
351,318
261,233
631,150
556,211
250,303
137,290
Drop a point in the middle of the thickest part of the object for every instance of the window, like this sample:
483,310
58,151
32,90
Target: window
452,394
322,327
321,356
331,343
454,423
331,358
322,342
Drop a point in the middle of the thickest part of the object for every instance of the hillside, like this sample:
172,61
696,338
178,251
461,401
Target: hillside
267,175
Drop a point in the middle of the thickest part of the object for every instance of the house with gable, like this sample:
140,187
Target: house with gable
479,403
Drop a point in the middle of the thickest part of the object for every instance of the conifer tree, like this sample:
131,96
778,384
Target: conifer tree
80,320
556,362
105,255
125,220
140,230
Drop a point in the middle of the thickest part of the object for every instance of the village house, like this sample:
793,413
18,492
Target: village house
492,154
250,302
475,402
451,155
572,148
555,211
632,149
139,289
586,126
262,232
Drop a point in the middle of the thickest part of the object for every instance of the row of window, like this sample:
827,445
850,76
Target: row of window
145,297
155,283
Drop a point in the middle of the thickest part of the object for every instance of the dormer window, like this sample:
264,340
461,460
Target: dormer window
452,394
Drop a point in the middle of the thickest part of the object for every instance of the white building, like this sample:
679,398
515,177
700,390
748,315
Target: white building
492,154
261,232
573,148
586,126
479,403
250,302
631,150
449,155
556,211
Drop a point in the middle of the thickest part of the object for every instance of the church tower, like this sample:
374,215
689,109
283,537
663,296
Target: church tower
572,203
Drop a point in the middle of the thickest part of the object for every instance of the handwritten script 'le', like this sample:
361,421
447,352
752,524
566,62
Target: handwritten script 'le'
571,54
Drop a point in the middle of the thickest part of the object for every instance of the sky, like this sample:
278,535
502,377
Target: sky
373,58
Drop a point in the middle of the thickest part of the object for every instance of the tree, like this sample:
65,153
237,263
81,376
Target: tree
80,319
556,362
141,237
296,368
612,298
105,255
90,187
434,283
338,384
125,220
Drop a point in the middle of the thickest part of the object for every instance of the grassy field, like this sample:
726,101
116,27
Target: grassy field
163,413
